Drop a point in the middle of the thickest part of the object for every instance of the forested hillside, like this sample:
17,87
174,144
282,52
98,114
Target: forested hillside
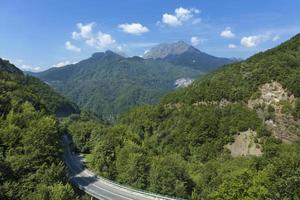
109,84
23,86
239,81
30,153
186,145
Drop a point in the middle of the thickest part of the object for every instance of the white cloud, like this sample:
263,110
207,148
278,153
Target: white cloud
195,10
101,41
134,28
171,20
30,68
120,48
227,33
183,14
104,40
255,40
251,41
20,63
63,63
197,21
180,16
232,46
98,40
196,40
71,47
85,31
275,38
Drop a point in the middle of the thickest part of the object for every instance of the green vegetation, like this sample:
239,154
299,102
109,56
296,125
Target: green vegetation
88,158
82,128
16,88
174,148
239,81
177,146
30,152
108,84
267,177
180,153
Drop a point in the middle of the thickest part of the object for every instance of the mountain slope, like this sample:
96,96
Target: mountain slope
108,83
30,164
239,81
50,99
230,135
180,53
6,66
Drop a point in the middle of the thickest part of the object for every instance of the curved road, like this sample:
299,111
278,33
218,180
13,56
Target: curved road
98,187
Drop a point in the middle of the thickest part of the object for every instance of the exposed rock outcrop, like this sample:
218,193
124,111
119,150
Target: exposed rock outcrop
245,144
270,107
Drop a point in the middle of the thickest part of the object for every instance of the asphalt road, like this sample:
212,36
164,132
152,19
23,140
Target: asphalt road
98,187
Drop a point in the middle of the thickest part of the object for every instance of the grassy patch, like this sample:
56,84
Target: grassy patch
87,158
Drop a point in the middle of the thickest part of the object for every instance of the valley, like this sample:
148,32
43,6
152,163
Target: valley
140,100
213,138
231,126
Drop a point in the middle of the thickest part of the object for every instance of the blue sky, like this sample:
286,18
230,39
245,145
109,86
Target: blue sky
36,35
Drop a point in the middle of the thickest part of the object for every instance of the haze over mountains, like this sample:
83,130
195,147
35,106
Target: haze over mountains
108,83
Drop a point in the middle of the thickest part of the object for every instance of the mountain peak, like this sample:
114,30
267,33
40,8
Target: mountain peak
181,53
181,43
98,54
110,52
107,54
6,66
163,50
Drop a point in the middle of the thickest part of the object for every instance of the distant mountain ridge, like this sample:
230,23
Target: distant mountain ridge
108,83
181,53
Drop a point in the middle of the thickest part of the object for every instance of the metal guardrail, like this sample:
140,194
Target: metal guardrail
128,188
91,193
119,186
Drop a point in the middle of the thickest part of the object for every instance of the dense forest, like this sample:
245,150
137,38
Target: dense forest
14,82
178,147
109,84
31,165
239,81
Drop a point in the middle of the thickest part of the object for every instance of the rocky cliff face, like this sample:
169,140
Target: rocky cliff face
273,104
183,54
163,50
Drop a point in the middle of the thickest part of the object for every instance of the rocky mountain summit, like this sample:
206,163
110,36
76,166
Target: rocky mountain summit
181,53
